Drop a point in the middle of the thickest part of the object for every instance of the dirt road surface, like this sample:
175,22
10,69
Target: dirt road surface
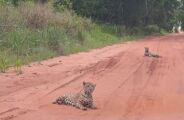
129,85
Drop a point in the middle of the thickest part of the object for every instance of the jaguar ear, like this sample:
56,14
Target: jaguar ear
84,83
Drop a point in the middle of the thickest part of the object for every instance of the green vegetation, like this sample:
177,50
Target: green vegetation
30,32
18,65
3,63
34,30
131,13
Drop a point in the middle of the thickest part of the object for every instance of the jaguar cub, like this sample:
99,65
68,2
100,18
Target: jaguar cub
81,100
149,54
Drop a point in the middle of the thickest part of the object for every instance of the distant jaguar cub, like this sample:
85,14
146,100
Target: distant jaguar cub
149,54
81,100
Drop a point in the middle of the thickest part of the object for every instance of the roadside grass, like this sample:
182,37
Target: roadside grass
32,32
3,64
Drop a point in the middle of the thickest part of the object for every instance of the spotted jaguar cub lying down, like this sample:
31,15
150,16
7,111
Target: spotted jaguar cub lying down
81,100
147,53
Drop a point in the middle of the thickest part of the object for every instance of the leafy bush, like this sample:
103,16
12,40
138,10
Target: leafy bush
36,16
151,29
13,2
117,30
62,4
135,31
33,32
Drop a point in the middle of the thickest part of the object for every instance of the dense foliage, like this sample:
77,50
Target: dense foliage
163,13
32,30
131,13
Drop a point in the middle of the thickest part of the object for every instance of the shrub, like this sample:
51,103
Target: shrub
62,4
3,63
117,30
36,16
151,29
55,39
32,32
135,31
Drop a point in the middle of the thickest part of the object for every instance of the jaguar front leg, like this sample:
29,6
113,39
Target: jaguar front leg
93,106
80,106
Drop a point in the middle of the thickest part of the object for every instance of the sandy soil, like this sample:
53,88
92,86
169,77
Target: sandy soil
129,85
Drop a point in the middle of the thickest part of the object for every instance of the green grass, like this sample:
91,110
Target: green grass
4,65
18,65
33,33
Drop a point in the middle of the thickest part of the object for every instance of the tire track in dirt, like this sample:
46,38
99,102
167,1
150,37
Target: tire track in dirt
137,66
109,63
113,94
95,68
129,86
137,96
14,114
137,101
134,95
104,65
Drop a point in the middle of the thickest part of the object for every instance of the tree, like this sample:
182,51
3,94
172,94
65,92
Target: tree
130,13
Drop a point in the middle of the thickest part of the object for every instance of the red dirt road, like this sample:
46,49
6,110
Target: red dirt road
129,86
